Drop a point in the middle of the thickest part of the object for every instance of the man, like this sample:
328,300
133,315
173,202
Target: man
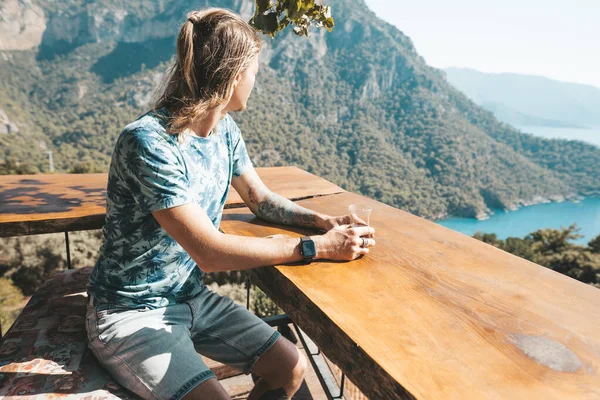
150,314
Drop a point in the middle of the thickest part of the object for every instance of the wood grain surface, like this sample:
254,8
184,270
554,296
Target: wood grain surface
434,314
31,204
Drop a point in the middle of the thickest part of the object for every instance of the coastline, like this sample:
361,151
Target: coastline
555,198
518,204
584,211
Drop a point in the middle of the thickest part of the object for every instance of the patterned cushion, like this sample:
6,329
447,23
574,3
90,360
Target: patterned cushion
44,355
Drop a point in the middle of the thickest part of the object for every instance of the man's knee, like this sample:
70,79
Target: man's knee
299,370
282,366
289,381
289,377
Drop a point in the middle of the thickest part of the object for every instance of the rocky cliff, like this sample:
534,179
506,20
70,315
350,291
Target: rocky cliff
22,24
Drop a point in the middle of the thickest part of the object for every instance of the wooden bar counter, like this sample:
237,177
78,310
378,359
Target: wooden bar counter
434,314
429,313
32,204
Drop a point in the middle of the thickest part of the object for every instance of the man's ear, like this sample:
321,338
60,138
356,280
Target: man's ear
237,79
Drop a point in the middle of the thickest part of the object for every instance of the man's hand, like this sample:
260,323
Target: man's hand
329,222
344,242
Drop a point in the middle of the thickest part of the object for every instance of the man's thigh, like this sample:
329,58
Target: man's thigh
229,333
149,352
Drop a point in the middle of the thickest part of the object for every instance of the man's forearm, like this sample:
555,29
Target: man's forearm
215,251
230,252
278,209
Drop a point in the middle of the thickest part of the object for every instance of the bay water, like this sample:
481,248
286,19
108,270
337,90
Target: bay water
519,223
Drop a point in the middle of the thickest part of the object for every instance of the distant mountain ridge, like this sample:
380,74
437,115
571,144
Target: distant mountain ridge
520,99
357,106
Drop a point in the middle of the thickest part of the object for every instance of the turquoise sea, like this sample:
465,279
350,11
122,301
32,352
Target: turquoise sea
519,223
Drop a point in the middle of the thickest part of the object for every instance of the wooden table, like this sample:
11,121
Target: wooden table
434,314
429,313
32,204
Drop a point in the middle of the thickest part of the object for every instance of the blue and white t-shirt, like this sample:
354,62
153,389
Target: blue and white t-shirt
140,265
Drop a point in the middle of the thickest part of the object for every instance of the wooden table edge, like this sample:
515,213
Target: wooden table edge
53,225
360,368
88,222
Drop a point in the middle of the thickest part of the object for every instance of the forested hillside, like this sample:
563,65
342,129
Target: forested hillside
357,106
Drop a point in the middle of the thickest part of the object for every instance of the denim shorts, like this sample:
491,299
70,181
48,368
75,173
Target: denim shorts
154,352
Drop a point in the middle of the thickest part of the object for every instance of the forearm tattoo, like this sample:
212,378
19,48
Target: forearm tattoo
278,209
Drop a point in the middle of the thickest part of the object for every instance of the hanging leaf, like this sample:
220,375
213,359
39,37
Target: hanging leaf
270,18
262,5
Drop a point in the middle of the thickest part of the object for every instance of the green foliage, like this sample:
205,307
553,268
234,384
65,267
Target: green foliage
594,245
234,291
357,106
32,263
270,18
262,305
554,249
12,166
11,303
223,277
29,261
233,284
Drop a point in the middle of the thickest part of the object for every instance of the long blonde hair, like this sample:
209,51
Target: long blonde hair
214,45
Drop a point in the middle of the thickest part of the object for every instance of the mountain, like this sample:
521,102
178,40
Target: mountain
528,99
357,106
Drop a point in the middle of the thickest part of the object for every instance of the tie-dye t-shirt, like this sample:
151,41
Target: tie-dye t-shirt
140,265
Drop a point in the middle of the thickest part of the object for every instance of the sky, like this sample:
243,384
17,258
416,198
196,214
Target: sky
558,39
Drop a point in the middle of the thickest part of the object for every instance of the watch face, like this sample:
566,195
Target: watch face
308,248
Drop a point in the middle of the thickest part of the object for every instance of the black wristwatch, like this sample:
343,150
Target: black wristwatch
307,248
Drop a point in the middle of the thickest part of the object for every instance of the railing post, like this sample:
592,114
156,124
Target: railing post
324,374
341,396
69,266
248,292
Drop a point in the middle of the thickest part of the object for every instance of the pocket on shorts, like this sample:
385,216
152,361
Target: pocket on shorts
106,318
